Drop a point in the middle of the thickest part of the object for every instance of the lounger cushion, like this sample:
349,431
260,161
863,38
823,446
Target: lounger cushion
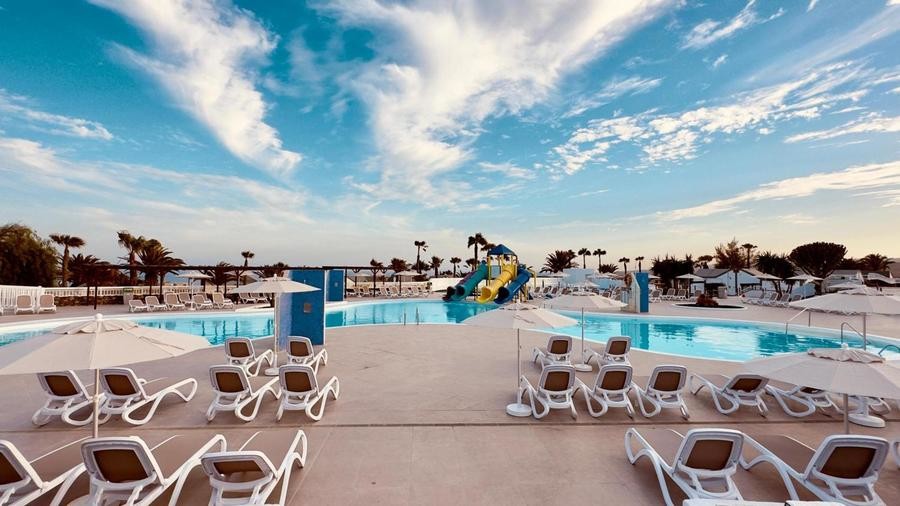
239,349
614,380
617,348
300,349
710,454
8,473
557,381
61,385
849,462
119,384
667,381
559,347
120,465
297,381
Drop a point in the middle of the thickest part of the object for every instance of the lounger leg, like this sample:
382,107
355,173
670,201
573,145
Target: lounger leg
646,451
780,398
174,389
641,397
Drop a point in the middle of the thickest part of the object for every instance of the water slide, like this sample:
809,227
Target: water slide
468,284
506,293
489,292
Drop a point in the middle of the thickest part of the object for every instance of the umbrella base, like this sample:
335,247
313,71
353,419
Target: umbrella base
271,371
866,420
518,409
583,367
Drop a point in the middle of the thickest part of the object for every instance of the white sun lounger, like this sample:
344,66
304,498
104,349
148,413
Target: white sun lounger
125,393
127,470
46,303
25,480
234,390
172,302
153,303
557,351
24,304
300,351
808,399
247,475
66,395
729,394
136,305
200,301
663,391
702,463
615,352
844,468
610,390
220,302
555,390
300,391
239,351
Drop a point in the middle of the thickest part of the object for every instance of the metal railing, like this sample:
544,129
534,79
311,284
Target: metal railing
808,323
888,346
860,334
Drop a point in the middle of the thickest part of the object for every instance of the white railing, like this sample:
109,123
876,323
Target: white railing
8,293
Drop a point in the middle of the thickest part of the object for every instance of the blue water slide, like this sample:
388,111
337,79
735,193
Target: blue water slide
465,287
506,293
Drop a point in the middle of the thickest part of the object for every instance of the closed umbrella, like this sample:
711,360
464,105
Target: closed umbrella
860,300
519,316
275,286
843,370
95,344
692,278
584,302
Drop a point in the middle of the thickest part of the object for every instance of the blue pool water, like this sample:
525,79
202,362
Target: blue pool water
721,339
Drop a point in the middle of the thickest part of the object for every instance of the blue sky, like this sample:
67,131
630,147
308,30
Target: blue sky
337,131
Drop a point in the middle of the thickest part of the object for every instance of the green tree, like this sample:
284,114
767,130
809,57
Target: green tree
639,260
819,259
436,262
703,261
476,241
584,252
599,252
247,256
749,249
776,265
455,261
420,247
67,242
25,258
559,260
669,268
398,265
730,256
624,261
608,268
132,245
221,275
157,261
88,270
874,262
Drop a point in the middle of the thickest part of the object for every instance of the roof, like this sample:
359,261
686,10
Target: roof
500,249
710,273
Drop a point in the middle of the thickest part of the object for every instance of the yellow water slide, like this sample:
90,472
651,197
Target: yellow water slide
489,292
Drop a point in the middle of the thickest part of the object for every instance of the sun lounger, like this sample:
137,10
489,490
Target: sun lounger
663,391
669,295
201,302
300,391
681,294
172,302
66,395
247,475
239,351
24,304
234,390
844,468
220,302
557,351
136,305
128,470
655,296
125,393
702,463
46,303
729,394
186,299
808,399
300,351
24,480
610,390
555,390
153,303
615,352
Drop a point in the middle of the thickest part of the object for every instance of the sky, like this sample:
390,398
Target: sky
332,132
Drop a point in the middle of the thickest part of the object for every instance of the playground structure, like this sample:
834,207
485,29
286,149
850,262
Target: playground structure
503,280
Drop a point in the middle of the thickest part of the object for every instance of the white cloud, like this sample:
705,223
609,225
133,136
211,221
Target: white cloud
508,169
709,31
613,89
206,54
878,177
719,61
442,69
18,106
812,5
870,123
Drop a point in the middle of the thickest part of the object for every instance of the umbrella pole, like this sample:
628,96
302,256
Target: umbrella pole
518,408
518,356
582,366
273,371
846,414
865,339
96,402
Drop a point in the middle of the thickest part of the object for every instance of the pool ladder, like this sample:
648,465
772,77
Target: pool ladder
808,323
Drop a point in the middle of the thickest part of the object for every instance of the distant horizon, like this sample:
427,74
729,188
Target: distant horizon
319,132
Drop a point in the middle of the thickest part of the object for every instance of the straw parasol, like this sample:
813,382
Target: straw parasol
95,344
276,286
192,275
584,302
843,370
519,316
860,300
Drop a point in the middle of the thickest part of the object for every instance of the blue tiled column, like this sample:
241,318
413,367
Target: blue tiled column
304,313
335,292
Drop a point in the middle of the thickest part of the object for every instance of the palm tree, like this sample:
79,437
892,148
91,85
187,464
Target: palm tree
247,256
276,269
729,256
472,263
133,245
159,261
436,262
66,241
398,265
376,268
599,254
703,262
420,247
221,275
86,270
749,249
874,262
455,261
584,252
559,261
624,261
608,268
476,241
639,260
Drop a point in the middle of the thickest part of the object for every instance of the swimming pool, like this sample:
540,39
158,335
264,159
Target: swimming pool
695,337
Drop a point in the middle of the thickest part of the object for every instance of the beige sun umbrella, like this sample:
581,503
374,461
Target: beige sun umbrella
843,370
519,316
861,300
95,344
584,302
275,286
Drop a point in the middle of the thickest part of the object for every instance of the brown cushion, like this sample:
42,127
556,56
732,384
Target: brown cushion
8,472
229,382
119,384
710,454
61,385
300,349
667,381
239,349
557,381
849,462
119,465
617,348
296,381
614,380
559,347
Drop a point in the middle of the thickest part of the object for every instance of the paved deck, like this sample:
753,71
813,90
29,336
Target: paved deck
421,421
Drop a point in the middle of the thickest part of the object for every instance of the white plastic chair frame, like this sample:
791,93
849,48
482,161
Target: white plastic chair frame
300,351
692,480
124,399
239,351
740,390
31,486
555,390
815,475
66,395
810,398
615,352
300,391
663,391
610,390
233,392
558,351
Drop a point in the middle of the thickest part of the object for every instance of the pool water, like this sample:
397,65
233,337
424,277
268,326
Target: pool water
696,337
